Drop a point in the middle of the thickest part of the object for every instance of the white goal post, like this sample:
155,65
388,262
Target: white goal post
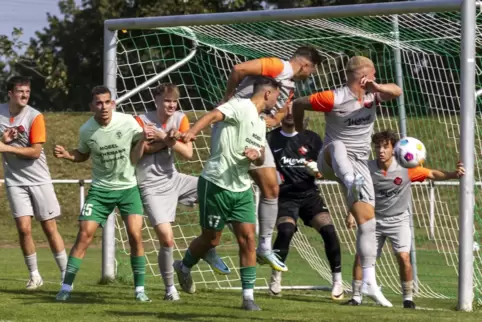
466,90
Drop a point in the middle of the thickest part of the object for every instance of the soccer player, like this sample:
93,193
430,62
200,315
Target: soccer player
393,198
27,178
225,194
160,184
300,198
240,85
107,138
350,112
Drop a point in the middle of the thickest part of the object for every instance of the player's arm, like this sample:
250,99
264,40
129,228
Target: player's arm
73,155
271,67
256,156
138,151
319,102
388,92
206,120
420,174
37,138
184,149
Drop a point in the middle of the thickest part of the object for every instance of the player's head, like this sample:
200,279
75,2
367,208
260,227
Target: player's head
102,103
18,90
306,58
166,96
384,142
266,89
359,67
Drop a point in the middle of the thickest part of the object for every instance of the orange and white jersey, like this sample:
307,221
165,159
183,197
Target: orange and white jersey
276,68
30,125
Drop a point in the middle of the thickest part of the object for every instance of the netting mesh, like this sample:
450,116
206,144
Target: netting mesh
430,55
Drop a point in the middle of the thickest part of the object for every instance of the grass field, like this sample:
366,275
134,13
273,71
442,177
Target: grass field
436,257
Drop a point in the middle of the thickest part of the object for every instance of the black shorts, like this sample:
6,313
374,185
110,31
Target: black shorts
305,208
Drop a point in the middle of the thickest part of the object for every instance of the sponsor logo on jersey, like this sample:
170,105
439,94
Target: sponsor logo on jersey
358,121
397,181
291,162
388,193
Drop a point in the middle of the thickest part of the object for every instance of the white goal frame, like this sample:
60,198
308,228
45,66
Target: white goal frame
467,97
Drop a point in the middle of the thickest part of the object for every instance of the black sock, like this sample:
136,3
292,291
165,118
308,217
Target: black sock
286,231
332,247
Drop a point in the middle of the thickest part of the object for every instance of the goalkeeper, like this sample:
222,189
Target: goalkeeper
240,85
299,198
393,197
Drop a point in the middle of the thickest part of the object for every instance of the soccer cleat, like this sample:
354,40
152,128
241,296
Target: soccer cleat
352,302
356,188
337,292
63,296
142,297
185,279
275,283
34,283
271,258
407,304
216,263
249,305
172,296
377,296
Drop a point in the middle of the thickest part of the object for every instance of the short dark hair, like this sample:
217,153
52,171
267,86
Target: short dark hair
309,53
263,81
16,81
166,88
98,90
385,136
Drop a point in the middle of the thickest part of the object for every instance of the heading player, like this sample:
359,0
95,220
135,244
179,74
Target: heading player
300,198
240,85
160,184
27,177
225,194
393,198
350,112
107,137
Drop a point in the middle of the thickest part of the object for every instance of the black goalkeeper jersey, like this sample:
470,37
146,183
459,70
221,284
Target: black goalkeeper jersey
290,154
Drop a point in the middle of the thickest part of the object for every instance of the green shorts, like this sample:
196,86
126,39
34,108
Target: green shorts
100,203
218,206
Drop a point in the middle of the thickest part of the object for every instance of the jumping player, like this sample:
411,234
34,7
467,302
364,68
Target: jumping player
393,198
225,194
300,198
108,137
27,177
350,112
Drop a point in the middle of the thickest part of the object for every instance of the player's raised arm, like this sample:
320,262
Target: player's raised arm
420,174
212,117
319,102
74,155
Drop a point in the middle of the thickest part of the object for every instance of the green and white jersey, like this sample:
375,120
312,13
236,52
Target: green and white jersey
110,149
242,128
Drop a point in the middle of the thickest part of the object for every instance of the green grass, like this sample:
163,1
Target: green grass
436,258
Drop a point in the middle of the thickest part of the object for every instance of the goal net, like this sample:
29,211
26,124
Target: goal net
429,60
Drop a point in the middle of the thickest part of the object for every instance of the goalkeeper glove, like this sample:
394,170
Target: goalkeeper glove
312,169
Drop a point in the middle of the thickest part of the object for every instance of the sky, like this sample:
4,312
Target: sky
31,15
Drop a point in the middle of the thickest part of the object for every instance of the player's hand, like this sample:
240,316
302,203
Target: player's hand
9,135
312,169
252,154
370,85
350,221
460,171
188,137
60,152
174,135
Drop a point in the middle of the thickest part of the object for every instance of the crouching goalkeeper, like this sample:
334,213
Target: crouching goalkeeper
295,155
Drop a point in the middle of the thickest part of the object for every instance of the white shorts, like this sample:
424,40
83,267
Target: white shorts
398,232
34,201
160,206
268,160
360,167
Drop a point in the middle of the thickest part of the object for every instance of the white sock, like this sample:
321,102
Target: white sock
171,289
369,276
66,287
264,244
35,273
185,269
348,181
248,294
337,277
139,289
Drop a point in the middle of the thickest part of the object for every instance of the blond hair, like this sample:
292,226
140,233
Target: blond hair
166,88
358,62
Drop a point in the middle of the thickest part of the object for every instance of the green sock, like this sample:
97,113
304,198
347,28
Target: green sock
248,277
138,264
189,260
73,266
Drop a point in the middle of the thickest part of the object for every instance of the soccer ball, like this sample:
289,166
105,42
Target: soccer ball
410,152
